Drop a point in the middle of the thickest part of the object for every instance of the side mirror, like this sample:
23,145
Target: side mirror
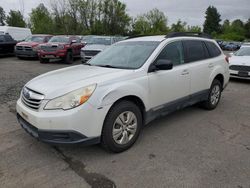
161,64
73,41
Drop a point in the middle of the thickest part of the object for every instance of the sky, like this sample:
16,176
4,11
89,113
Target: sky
190,11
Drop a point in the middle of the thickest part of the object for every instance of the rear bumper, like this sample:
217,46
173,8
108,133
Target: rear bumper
20,53
56,137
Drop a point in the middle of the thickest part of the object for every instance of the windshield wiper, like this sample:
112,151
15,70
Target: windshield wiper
108,66
87,64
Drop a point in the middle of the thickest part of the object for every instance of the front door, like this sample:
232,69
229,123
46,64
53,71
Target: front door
170,87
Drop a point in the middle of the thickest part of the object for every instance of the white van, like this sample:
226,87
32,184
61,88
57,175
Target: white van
17,33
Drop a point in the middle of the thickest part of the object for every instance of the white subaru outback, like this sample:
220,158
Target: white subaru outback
110,98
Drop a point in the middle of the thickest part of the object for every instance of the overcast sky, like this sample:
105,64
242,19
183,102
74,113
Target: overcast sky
191,11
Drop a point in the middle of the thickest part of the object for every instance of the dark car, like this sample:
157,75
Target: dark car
29,47
7,44
60,47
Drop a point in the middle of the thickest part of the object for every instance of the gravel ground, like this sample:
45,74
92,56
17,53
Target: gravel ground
189,148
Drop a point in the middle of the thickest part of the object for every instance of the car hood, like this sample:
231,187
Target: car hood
97,47
53,44
240,60
62,81
32,44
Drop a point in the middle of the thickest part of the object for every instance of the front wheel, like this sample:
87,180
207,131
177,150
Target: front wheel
214,96
121,127
69,58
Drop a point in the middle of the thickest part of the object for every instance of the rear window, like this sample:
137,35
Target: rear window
213,50
195,50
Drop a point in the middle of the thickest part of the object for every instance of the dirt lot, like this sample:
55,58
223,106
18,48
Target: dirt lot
190,148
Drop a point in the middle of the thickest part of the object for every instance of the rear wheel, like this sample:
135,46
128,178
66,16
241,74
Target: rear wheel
121,127
69,58
214,96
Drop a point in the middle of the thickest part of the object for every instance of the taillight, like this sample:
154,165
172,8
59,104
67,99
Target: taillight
227,59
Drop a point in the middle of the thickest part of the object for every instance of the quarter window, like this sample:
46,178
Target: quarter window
195,50
173,52
213,49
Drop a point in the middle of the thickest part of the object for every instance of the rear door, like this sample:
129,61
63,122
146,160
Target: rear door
2,44
197,56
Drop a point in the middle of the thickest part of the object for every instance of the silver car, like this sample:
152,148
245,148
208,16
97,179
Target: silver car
96,45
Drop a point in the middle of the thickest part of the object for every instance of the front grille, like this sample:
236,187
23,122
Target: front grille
27,48
91,52
240,68
19,47
49,48
31,99
24,48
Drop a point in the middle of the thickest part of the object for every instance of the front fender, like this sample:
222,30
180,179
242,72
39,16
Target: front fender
111,93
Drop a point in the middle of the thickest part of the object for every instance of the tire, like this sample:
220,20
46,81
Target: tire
214,96
44,60
68,58
117,134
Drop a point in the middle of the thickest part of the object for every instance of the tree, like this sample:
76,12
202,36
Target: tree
196,29
247,28
212,21
15,19
2,16
153,22
41,20
179,26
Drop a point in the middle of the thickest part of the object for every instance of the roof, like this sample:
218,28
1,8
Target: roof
157,38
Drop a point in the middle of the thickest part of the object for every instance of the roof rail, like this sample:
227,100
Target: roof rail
188,34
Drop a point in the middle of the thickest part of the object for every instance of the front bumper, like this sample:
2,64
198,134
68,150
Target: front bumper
79,125
22,53
56,137
52,55
239,74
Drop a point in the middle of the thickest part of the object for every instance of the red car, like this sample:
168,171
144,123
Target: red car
29,47
60,47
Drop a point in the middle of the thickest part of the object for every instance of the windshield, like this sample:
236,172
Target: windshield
100,40
60,39
87,38
34,39
243,52
125,55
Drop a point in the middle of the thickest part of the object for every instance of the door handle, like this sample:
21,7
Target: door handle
211,65
185,72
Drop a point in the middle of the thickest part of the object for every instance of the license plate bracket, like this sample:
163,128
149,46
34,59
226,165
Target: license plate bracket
243,74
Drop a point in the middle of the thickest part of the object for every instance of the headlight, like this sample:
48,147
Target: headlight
36,48
72,99
60,47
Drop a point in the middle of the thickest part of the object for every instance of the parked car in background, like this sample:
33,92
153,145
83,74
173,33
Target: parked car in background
231,46
30,46
97,44
7,44
239,63
87,38
17,33
60,47
130,84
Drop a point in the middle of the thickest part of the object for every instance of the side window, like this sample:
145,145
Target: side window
78,40
8,38
195,50
173,52
213,50
2,39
